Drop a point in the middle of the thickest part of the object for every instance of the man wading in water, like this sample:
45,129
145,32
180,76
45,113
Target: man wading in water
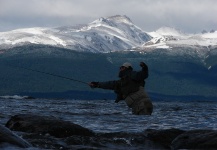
130,87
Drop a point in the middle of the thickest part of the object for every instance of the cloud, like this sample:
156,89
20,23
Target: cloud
187,15
193,15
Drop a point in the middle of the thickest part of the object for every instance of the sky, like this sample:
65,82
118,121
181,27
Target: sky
189,16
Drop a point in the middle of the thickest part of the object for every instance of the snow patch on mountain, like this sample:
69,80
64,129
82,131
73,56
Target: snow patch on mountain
29,35
58,40
35,31
157,40
210,35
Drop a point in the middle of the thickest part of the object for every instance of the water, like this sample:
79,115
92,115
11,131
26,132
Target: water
106,116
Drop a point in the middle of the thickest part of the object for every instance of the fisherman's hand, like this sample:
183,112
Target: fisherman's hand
118,98
94,84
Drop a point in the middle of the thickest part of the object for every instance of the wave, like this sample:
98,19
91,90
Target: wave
16,97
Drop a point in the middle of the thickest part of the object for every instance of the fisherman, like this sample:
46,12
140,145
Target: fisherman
130,87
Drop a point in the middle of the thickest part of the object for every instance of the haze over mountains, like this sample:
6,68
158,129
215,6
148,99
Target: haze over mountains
180,63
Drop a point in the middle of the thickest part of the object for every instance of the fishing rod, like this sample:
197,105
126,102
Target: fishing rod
51,74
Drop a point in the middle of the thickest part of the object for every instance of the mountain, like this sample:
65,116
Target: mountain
174,42
170,76
103,35
180,64
116,33
172,39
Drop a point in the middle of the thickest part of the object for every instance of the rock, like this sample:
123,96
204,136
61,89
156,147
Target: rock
52,133
46,125
163,137
196,139
116,140
6,136
45,141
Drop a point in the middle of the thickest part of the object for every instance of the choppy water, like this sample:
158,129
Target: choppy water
107,116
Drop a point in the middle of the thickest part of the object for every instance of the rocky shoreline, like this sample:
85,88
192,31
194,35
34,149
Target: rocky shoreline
46,132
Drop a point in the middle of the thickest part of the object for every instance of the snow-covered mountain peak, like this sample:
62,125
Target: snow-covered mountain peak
120,19
111,21
102,35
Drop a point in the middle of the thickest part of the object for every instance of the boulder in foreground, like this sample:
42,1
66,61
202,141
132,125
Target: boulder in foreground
6,136
46,125
196,139
163,137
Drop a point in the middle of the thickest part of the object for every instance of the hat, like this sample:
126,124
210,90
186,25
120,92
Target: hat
127,65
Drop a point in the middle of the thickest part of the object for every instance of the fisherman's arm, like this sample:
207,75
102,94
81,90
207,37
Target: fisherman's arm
110,85
140,75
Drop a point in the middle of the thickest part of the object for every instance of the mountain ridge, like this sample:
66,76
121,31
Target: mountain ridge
102,35
173,75
106,34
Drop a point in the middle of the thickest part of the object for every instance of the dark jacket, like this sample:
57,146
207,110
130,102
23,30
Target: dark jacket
129,82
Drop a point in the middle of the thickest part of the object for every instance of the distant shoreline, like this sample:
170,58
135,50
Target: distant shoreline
89,95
